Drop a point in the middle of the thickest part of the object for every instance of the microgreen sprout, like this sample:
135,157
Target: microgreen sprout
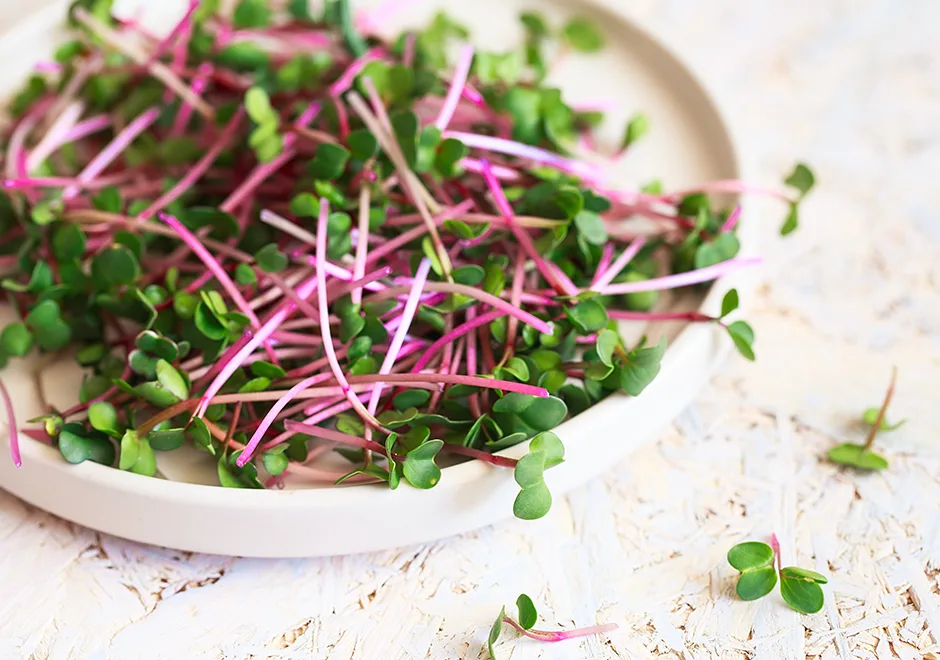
275,239
861,457
525,622
760,568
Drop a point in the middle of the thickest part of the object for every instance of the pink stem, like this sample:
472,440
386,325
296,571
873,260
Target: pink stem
682,279
560,635
456,87
619,264
453,335
345,81
107,155
732,220
502,204
519,150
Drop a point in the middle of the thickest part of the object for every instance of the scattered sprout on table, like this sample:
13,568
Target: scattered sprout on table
759,565
528,617
861,456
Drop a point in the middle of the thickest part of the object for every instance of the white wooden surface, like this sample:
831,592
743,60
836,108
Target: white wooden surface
850,85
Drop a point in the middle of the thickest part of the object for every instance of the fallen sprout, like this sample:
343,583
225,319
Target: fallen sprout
861,457
759,565
276,240
528,616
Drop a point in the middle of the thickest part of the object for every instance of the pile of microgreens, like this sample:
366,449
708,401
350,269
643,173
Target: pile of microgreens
759,565
275,236
861,457
528,616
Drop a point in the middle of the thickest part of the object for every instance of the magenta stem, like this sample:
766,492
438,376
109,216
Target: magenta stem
619,264
11,427
682,279
560,635
456,87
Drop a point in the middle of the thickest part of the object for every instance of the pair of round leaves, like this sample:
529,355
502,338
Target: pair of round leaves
799,587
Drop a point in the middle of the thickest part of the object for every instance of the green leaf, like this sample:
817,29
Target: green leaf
541,414
358,348
530,469
68,242
224,225
16,340
637,127
528,616
114,266
270,259
517,368
470,275
258,106
591,226
588,316
857,456
802,179
305,205
551,445
641,367
103,417
751,554
449,154
729,303
259,384
137,455
756,583
495,631
792,221
251,14
803,595
275,464
167,439
244,56
300,10
405,127
607,341
582,35
329,161
171,380
362,144
797,573
411,399
870,416
722,248
232,476
532,502
743,337
419,467
267,370
108,200
76,448
156,394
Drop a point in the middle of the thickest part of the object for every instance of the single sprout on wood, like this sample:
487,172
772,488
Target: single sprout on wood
862,457
528,616
759,565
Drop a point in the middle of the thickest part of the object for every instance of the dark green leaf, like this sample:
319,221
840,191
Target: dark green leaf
16,340
103,417
470,275
114,266
801,178
743,337
802,595
419,467
267,370
756,583
76,448
588,316
792,221
751,554
362,144
405,127
68,242
797,573
729,303
411,399
329,161
722,248
167,439
528,616
270,259
641,367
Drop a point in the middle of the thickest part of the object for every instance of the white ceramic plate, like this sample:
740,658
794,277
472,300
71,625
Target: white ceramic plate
690,143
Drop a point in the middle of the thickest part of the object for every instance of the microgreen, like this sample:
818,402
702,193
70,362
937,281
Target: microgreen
525,623
759,565
861,457
269,228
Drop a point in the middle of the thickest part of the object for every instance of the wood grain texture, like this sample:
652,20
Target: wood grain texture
849,85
